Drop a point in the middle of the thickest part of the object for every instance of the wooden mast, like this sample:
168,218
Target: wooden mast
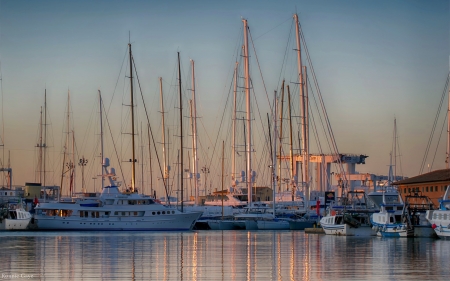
305,152
133,160
194,137
249,128
101,138
281,134
181,131
233,131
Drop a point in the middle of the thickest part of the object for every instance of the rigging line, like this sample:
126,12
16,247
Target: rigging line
149,126
117,81
439,139
260,73
285,53
315,131
114,144
430,139
272,28
321,121
220,126
238,50
330,130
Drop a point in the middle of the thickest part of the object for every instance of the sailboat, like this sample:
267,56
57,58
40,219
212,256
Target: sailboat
113,210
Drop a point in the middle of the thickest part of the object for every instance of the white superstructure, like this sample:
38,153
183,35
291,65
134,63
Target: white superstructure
14,217
113,210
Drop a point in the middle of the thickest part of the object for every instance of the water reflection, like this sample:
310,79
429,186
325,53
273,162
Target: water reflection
218,255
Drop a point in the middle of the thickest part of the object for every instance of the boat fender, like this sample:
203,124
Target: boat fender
433,226
440,228
384,228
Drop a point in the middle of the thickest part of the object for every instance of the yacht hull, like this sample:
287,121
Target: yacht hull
163,223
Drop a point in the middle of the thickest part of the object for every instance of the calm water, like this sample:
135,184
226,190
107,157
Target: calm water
217,255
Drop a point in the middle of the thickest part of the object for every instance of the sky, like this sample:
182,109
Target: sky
375,61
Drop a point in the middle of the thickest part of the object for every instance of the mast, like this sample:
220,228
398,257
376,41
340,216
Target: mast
274,153
395,150
302,111
101,138
133,160
72,189
291,152
306,138
40,148
223,160
281,134
45,134
181,131
448,127
194,136
142,161
233,138
166,172
249,128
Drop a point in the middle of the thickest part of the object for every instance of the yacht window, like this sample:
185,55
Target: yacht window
391,219
123,213
163,212
107,213
81,214
158,213
439,216
93,214
116,213
86,214
434,216
173,212
135,213
153,213
97,214
445,217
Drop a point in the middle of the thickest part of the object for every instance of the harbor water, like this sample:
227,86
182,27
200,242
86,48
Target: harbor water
218,255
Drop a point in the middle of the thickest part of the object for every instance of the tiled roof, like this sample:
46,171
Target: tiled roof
435,176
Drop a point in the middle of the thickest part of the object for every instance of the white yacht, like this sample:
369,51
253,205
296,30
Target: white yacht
14,217
350,218
440,219
113,210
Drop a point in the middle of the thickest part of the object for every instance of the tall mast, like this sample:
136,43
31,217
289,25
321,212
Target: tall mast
233,138
166,172
281,134
306,117
291,152
274,153
181,132
302,110
40,148
448,127
142,161
194,136
73,161
45,135
133,160
249,128
395,150
101,138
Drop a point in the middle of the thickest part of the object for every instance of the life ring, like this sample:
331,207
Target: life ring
333,212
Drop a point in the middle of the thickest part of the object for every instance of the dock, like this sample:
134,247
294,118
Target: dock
315,230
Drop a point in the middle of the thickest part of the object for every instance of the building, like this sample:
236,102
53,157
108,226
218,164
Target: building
432,184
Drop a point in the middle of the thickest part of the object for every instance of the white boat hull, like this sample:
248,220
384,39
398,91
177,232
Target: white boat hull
347,230
440,221
14,224
179,222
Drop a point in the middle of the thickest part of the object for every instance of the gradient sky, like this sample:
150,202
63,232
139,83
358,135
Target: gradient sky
374,60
